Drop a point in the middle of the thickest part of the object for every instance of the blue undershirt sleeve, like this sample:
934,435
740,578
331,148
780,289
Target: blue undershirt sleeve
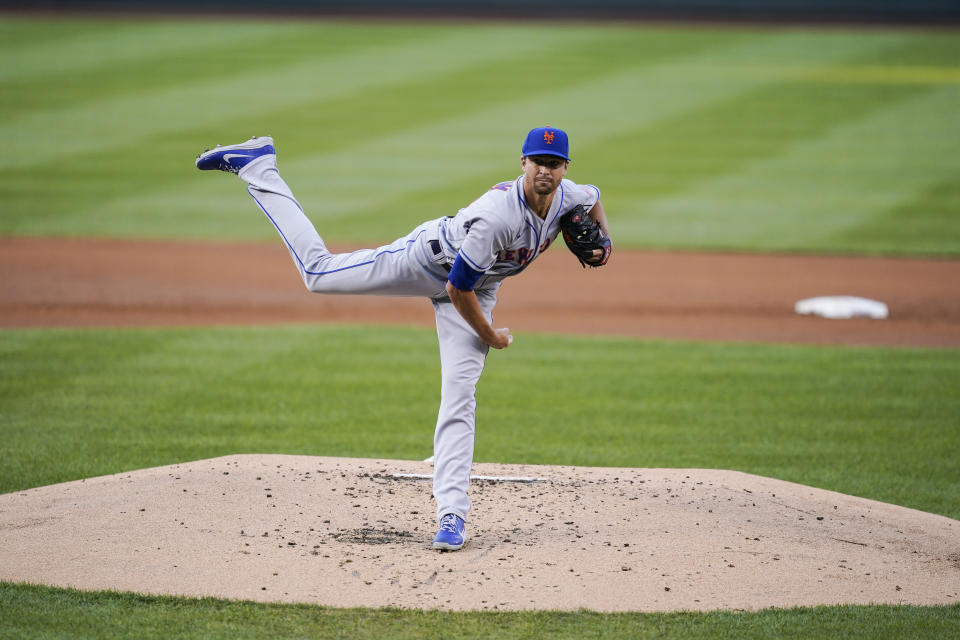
462,276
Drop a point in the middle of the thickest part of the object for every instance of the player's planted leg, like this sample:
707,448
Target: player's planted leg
462,357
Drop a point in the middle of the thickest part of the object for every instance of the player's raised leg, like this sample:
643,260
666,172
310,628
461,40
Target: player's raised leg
255,161
400,268
462,357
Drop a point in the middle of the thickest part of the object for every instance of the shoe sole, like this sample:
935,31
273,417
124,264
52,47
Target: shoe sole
253,143
446,546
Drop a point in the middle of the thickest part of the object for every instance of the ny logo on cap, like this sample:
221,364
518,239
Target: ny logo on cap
548,137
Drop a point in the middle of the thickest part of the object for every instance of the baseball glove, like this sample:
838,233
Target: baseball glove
585,238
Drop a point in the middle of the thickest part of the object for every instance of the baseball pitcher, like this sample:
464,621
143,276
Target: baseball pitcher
457,262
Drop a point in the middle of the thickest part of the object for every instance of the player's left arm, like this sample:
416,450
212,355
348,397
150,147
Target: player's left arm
600,216
587,233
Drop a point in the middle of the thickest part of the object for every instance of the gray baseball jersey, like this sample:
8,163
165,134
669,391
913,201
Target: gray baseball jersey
498,234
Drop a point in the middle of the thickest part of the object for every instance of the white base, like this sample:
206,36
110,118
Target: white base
842,307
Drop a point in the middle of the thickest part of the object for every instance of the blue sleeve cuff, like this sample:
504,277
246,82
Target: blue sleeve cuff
462,276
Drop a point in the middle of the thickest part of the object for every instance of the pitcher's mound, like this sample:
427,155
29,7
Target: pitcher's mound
349,532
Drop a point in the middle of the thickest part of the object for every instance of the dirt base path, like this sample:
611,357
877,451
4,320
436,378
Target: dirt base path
346,533
81,282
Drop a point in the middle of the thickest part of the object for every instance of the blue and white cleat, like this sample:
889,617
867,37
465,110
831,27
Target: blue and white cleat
234,157
452,534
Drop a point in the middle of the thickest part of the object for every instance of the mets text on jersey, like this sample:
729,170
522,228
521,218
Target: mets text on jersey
520,257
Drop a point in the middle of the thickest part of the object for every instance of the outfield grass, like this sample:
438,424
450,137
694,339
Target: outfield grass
746,138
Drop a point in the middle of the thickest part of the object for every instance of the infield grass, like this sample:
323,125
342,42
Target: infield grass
745,138
43,613
873,422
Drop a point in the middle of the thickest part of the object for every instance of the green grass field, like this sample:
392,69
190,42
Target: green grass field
874,422
754,139
43,613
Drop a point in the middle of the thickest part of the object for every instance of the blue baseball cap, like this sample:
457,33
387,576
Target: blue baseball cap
546,141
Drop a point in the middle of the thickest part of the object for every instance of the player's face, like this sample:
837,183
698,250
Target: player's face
543,173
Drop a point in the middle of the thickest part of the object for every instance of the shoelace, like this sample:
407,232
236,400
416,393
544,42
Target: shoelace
449,524
226,166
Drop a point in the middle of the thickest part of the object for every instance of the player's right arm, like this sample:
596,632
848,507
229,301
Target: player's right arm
489,230
467,305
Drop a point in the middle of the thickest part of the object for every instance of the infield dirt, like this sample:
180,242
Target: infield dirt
81,282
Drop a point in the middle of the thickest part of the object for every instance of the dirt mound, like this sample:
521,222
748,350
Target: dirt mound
349,532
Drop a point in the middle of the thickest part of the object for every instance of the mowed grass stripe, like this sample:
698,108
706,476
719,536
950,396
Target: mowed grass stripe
638,98
805,103
883,75
177,55
919,58
487,126
928,222
56,134
331,126
92,50
362,133
20,33
128,119
852,74
652,112
794,99
833,182
326,125
677,155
